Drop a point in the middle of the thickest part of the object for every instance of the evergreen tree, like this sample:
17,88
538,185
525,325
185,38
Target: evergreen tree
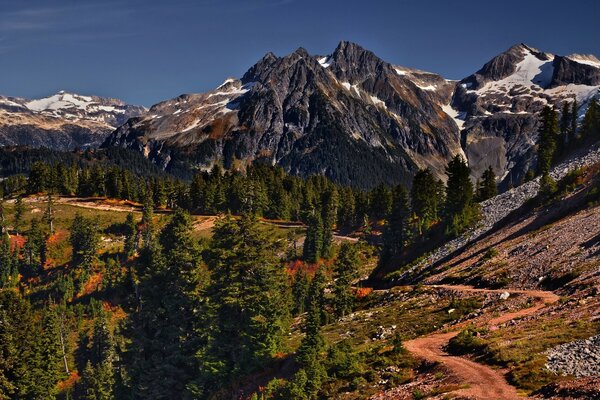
590,127
329,218
147,219
163,346
35,247
84,240
487,187
313,344
565,125
251,300
130,235
19,212
548,136
573,115
346,271
313,243
460,209
427,195
395,234
300,291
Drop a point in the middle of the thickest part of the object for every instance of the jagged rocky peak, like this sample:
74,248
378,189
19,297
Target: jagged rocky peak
519,59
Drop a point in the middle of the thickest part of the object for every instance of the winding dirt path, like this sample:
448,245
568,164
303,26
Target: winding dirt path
484,382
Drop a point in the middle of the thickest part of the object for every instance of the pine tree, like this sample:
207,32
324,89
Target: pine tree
565,125
590,127
163,345
346,271
84,240
130,235
313,343
313,243
251,300
395,236
459,208
573,127
487,187
548,136
300,291
329,218
35,247
19,211
147,219
427,195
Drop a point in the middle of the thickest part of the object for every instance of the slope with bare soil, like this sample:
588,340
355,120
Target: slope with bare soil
483,381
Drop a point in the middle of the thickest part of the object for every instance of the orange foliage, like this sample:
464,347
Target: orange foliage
363,292
92,284
17,241
70,382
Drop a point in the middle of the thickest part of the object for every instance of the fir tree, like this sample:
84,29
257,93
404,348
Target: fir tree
130,235
18,215
329,218
395,234
313,243
427,195
84,240
487,187
548,136
459,209
313,344
251,300
346,271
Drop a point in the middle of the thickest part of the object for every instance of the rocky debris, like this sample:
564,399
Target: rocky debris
498,207
579,358
383,332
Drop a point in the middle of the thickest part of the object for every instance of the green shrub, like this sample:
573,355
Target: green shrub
466,342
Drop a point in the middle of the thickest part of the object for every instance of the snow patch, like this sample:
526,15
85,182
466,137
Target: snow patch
457,116
325,61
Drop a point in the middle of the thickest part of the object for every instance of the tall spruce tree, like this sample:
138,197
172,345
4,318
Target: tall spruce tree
251,298
345,272
548,136
330,203
313,243
487,187
427,196
459,208
395,234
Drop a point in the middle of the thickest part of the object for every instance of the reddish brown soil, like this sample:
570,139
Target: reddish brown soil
484,382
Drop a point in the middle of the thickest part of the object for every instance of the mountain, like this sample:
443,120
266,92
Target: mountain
62,121
350,116
500,104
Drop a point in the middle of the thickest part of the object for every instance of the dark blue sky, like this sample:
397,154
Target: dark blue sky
144,51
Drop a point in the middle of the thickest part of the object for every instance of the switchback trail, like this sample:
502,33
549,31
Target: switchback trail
483,381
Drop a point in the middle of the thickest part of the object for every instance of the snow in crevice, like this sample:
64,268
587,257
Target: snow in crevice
325,61
457,116
400,72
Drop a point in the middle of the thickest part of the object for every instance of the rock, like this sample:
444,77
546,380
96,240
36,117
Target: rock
579,358
504,295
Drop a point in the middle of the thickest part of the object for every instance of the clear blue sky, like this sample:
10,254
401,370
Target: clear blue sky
145,51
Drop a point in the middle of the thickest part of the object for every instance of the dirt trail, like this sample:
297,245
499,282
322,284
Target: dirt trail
484,382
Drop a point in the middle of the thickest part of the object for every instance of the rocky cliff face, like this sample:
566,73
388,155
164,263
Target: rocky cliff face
63,121
500,104
349,115
362,121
